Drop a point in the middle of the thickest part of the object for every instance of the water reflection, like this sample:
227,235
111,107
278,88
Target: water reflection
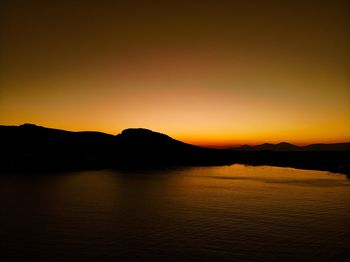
228,213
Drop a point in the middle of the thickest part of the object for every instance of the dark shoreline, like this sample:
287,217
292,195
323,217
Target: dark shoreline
30,148
54,169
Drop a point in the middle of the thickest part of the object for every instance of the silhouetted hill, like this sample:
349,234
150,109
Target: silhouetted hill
145,147
34,148
141,137
328,147
269,147
290,147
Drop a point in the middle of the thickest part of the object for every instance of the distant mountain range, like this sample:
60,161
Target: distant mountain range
31,148
290,147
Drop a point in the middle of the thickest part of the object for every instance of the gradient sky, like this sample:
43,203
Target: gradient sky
205,72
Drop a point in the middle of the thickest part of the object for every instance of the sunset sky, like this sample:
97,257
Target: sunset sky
205,72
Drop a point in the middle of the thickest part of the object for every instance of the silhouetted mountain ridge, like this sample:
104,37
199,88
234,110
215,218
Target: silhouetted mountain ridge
34,148
30,147
144,136
284,146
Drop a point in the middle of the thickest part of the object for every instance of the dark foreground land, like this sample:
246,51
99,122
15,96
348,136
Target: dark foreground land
29,148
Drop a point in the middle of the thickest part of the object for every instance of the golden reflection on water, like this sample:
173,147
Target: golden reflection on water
230,212
264,186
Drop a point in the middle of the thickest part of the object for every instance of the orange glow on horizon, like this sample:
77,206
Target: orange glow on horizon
224,74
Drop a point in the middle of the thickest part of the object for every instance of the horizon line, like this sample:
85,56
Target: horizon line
218,145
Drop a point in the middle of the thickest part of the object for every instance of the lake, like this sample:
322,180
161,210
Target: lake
228,213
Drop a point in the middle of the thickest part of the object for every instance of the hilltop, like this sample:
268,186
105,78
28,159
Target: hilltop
35,148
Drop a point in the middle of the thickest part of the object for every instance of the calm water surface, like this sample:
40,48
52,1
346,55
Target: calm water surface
231,213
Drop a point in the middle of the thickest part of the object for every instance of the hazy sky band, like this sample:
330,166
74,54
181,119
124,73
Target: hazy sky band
208,72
